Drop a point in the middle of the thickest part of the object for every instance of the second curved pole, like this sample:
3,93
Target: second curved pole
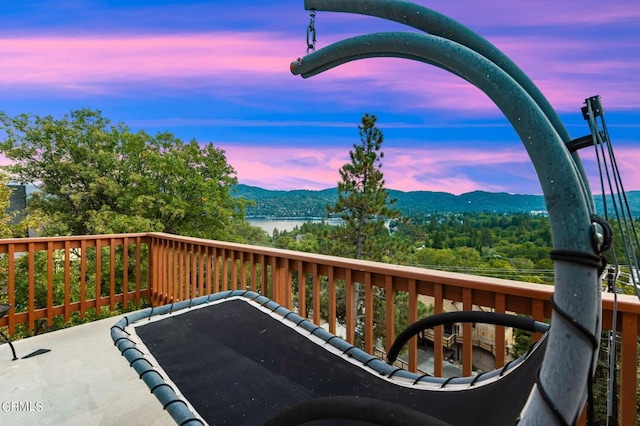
435,23
567,362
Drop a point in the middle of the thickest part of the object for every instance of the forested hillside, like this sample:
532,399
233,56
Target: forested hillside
307,203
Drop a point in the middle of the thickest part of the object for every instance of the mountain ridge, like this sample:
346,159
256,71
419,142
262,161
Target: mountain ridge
306,203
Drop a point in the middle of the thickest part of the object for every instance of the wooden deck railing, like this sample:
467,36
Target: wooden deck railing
163,268
48,278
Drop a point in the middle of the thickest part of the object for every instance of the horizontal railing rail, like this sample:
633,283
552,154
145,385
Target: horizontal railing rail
447,340
399,362
45,278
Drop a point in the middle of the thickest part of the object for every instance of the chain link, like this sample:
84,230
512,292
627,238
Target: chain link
311,32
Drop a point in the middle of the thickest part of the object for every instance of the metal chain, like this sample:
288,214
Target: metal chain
311,32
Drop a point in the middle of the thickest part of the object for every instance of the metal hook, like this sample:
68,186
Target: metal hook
311,32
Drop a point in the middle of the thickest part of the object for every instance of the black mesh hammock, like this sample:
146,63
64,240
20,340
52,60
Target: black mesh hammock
239,358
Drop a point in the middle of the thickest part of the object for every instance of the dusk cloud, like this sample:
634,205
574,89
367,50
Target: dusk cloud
219,71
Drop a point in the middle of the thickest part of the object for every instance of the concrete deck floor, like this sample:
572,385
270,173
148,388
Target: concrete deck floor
82,380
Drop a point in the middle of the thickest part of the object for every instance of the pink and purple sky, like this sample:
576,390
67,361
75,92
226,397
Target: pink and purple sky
218,71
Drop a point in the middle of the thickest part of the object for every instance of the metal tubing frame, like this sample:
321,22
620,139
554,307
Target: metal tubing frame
435,23
568,361
13,350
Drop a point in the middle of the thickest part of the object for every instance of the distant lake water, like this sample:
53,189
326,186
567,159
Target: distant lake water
286,224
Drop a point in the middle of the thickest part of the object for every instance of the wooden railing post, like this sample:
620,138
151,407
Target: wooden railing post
368,313
236,265
152,270
224,258
112,274
49,284
315,277
285,277
413,317
389,295
11,288
67,280
438,333
499,333
302,289
83,278
32,286
332,300
628,370
98,276
125,272
279,280
349,307
467,335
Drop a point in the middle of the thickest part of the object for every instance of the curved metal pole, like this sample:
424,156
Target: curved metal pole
435,23
567,361
13,350
496,318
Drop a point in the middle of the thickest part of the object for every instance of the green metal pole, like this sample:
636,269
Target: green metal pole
568,361
435,23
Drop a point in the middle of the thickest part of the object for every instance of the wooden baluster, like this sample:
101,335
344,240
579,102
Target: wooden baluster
467,335
50,283
252,263
125,273
438,332
499,334
349,306
98,275
302,289
83,278
413,317
628,369
389,311
233,261
225,271
193,271
316,294
112,274
151,264
11,287
201,268
67,280
537,308
368,313
332,300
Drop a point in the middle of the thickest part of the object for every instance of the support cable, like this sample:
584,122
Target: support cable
607,167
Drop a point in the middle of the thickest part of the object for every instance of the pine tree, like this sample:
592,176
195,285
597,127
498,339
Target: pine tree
363,202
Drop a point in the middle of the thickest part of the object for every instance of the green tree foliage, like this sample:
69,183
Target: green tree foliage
505,246
95,178
5,219
363,202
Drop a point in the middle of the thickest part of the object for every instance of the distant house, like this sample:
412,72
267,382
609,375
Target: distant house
17,203
483,339
17,209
